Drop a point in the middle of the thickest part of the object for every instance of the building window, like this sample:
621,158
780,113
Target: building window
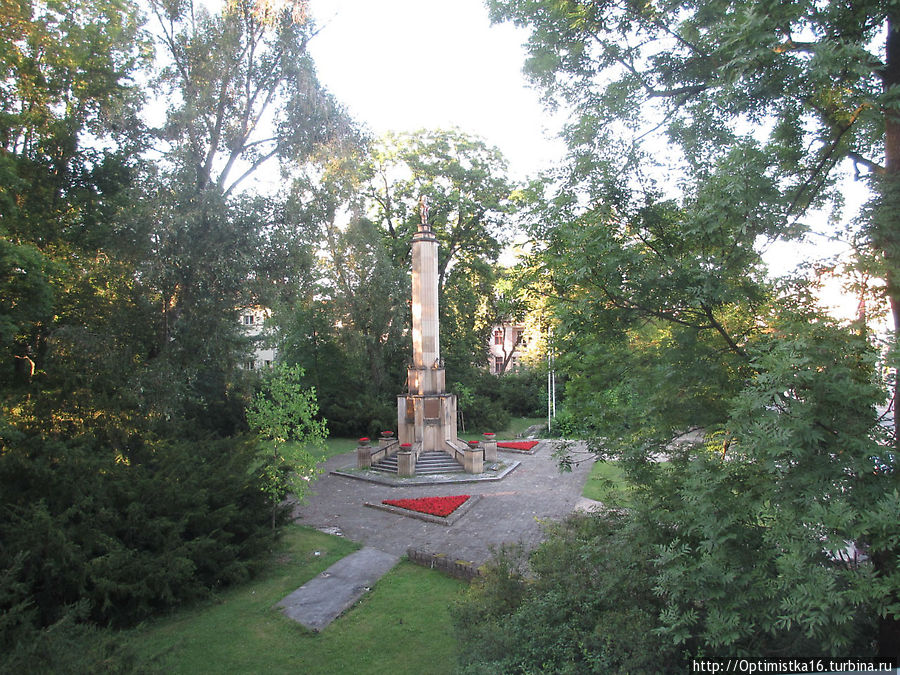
248,319
250,365
498,364
498,337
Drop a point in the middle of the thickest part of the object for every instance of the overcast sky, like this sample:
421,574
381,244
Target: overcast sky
404,65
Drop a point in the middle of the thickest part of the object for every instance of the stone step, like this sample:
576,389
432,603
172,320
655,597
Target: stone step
387,465
429,462
437,462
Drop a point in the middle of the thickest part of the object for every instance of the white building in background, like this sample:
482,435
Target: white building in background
505,345
253,321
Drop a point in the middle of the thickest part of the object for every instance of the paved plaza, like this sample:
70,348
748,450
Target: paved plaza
509,511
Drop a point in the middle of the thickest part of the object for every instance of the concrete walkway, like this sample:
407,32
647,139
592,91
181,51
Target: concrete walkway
509,512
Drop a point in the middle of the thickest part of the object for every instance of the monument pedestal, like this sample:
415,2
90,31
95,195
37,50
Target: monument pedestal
427,421
490,451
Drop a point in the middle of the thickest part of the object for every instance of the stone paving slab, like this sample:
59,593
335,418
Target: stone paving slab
325,597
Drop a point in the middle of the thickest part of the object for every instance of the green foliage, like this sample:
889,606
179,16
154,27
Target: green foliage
665,320
488,401
481,402
579,604
125,487
745,539
650,323
124,536
334,360
352,339
27,304
285,415
69,647
569,426
240,93
465,183
708,70
523,394
401,626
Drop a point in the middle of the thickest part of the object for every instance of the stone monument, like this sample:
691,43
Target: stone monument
426,414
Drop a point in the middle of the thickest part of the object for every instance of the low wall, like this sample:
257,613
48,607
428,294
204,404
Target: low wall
366,455
459,569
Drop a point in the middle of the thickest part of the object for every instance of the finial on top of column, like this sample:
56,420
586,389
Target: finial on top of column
423,213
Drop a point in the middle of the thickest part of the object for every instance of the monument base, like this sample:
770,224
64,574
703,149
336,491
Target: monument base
426,421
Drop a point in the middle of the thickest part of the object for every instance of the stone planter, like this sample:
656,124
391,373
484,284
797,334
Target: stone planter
473,458
490,448
406,461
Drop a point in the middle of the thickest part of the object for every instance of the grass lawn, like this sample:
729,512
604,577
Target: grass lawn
606,483
338,446
401,626
335,446
516,426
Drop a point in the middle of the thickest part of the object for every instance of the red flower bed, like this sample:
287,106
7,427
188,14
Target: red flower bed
434,506
517,445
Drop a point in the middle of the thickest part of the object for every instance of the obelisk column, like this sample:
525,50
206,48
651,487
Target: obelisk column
423,377
426,415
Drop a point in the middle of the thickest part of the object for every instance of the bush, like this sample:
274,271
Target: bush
565,425
582,604
488,401
70,646
122,537
522,394
485,414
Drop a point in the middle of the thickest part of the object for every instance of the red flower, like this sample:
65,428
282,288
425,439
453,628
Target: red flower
434,506
517,445
364,439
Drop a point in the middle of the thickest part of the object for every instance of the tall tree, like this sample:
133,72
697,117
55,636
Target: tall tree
464,181
812,84
347,331
468,193
365,203
757,103
92,501
68,135
241,95
285,417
